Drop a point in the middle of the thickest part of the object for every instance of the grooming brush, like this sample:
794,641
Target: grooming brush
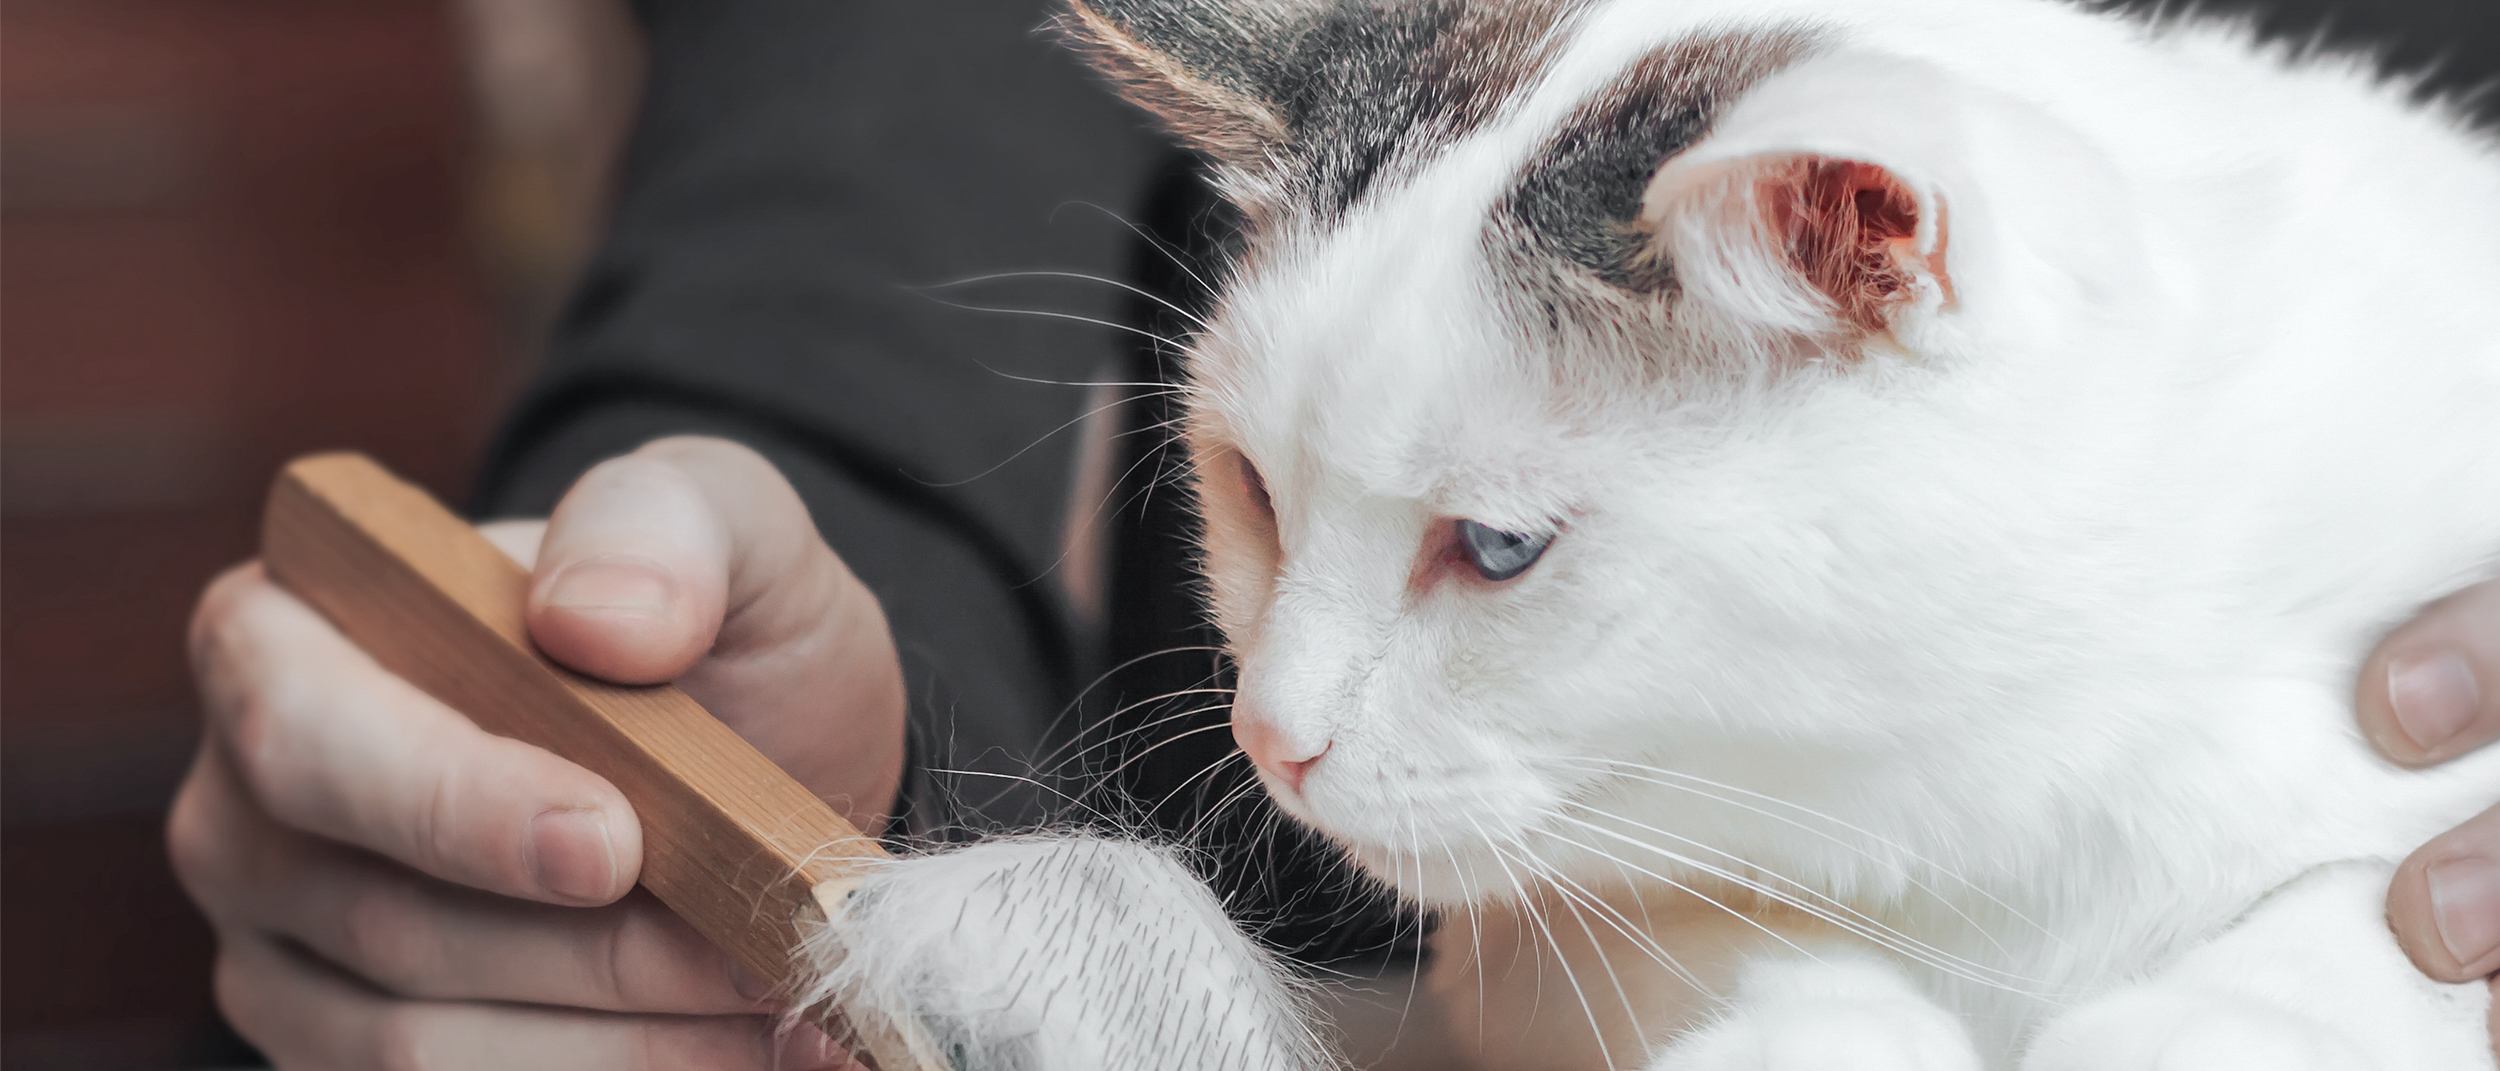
730,843
1035,953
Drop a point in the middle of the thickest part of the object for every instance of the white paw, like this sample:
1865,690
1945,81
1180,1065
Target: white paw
1057,953
1825,1017
2166,1029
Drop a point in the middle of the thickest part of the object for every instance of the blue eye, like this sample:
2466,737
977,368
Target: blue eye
1500,555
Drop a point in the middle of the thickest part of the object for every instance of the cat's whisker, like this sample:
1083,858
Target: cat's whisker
1686,782
1940,960
1679,886
1800,887
1173,738
1132,288
1218,763
1235,795
1573,901
1570,977
1082,748
1109,674
1050,314
1475,918
1158,244
1023,779
1037,441
1622,924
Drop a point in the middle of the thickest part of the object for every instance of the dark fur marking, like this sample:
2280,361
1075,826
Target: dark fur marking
1382,82
1579,198
1320,98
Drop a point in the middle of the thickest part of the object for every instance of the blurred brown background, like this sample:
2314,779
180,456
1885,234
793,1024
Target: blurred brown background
231,232
235,230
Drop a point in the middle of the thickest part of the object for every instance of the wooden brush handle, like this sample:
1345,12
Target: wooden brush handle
730,842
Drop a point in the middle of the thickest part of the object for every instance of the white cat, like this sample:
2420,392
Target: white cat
1836,535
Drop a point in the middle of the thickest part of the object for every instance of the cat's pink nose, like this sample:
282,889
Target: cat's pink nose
1273,750
1291,773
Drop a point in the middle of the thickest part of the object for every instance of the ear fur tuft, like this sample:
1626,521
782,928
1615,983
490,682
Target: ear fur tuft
1800,243
1852,230
1203,68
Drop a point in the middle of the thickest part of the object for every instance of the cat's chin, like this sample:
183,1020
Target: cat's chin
1436,877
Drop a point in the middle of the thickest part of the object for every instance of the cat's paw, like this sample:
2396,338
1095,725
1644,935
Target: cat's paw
1838,1016
2160,1028
1056,952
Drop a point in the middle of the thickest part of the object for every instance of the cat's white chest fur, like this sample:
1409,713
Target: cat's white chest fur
1970,446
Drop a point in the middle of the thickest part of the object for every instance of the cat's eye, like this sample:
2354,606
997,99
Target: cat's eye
1499,555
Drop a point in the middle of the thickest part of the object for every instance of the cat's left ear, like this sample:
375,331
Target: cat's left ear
1206,69
1855,196
1802,242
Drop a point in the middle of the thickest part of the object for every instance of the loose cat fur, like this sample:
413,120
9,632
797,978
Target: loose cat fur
1979,439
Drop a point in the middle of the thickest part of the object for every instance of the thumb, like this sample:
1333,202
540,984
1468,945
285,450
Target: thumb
692,560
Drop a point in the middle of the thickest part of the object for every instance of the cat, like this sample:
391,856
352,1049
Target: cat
1838,534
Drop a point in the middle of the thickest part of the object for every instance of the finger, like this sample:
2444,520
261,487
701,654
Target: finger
693,560
328,742
304,1015
2445,902
2431,692
412,936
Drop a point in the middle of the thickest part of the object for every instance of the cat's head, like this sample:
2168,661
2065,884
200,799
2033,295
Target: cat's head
1611,395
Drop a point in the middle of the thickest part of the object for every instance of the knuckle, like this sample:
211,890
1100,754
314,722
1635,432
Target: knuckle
613,958
398,1039
236,989
216,636
663,1043
215,613
386,941
436,835
253,742
191,841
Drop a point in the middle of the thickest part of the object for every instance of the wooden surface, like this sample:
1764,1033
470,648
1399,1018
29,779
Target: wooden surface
730,842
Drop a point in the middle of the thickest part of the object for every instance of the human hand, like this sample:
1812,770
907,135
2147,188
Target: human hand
393,887
2430,693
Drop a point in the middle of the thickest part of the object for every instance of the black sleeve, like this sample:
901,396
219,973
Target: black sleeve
804,177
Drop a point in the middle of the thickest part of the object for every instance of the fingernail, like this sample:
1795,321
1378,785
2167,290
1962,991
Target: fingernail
571,855
749,987
2465,904
806,1048
2434,696
613,582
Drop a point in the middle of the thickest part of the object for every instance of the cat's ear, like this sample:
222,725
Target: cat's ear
1859,195
1207,69
1804,243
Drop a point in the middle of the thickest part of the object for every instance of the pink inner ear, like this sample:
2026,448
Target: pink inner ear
1852,231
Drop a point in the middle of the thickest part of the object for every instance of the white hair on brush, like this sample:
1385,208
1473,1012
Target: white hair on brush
1069,952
